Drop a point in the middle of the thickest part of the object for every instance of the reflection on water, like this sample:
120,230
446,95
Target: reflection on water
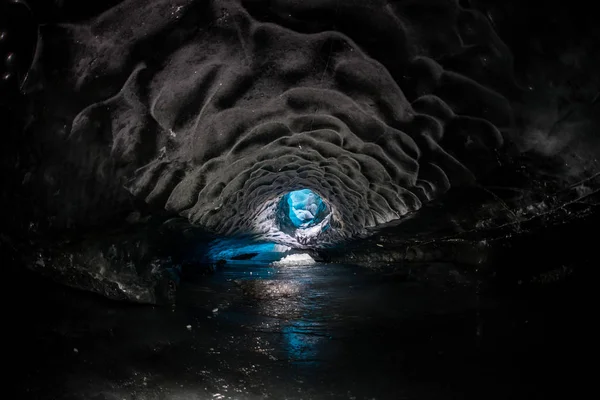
302,343
255,332
294,296
290,294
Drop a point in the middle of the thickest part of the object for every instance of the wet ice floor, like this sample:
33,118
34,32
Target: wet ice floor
313,332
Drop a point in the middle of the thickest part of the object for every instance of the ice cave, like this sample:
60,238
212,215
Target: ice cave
297,199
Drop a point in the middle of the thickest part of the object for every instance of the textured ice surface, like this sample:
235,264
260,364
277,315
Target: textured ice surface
214,110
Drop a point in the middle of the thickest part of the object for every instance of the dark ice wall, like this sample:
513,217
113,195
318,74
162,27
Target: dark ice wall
212,110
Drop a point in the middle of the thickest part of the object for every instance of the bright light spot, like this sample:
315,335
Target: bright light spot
295,259
299,219
305,208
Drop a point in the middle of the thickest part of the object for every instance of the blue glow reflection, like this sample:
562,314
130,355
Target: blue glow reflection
302,344
230,248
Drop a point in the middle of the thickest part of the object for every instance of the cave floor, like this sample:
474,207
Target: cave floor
311,332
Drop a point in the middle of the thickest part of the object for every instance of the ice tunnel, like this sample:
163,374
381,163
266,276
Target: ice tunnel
305,199
281,124
231,134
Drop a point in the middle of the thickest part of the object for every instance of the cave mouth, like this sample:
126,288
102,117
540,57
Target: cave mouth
303,214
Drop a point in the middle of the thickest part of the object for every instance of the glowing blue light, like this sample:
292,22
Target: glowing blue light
229,248
305,207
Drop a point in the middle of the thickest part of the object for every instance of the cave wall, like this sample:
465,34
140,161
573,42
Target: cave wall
212,109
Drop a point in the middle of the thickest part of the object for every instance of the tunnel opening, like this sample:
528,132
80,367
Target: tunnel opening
294,221
303,214
305,208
